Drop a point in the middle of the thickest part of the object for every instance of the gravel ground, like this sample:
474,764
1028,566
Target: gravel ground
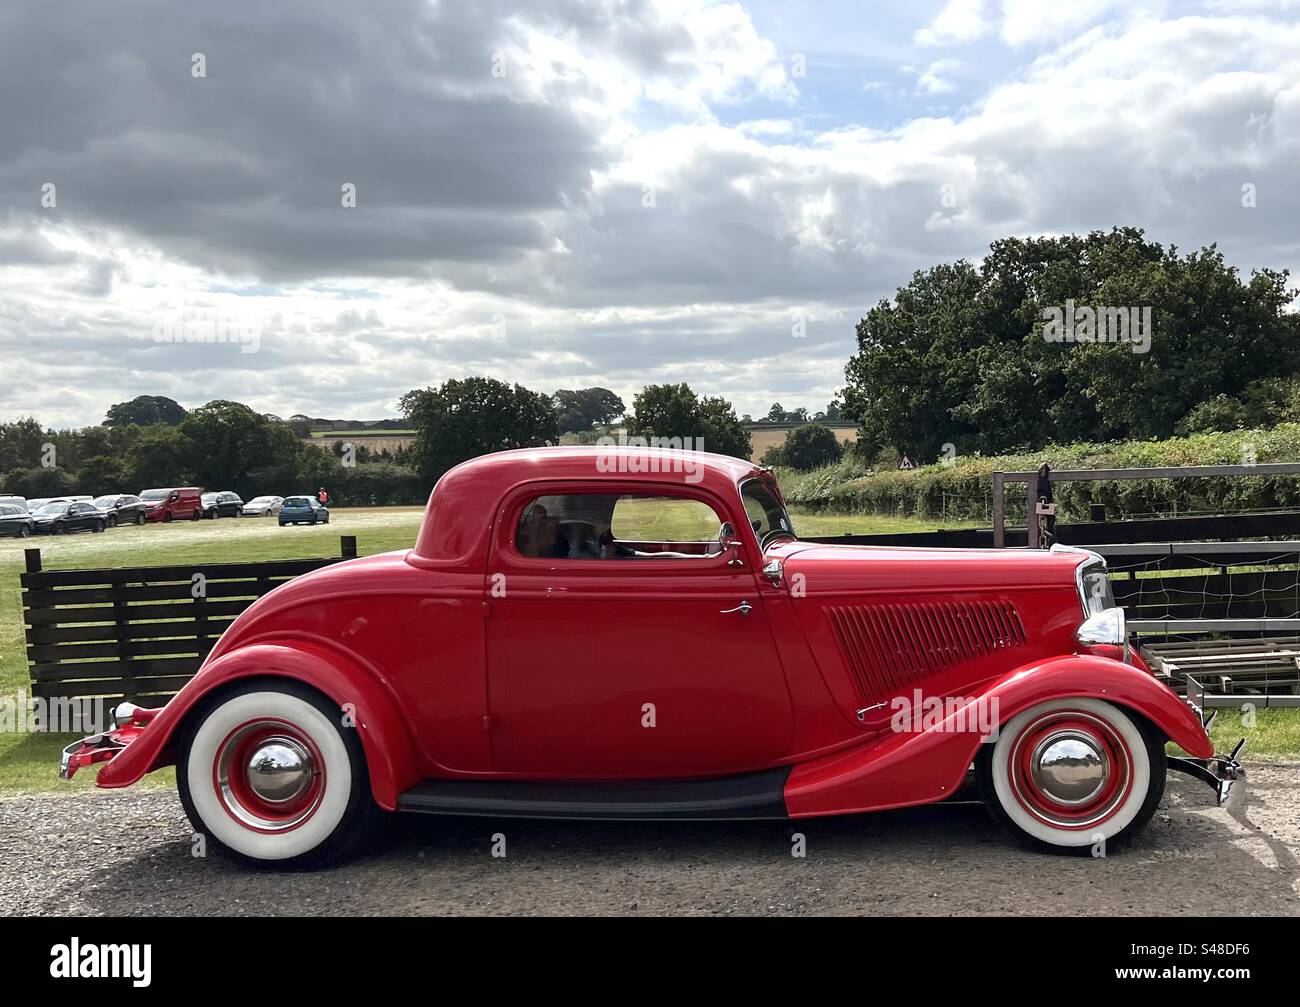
130,853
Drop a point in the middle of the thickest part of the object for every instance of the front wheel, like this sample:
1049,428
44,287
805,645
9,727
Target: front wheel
270,772
167,517
139,518
1071,774
112,520
99,526
23,531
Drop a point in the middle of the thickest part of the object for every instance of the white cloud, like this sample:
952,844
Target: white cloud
528,209
1034,22
932,79
959,21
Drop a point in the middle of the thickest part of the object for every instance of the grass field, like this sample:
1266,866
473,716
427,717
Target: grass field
29,761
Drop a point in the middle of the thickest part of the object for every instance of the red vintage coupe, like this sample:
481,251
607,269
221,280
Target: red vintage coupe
615,632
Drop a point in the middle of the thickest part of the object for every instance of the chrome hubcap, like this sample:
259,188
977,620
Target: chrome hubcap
1069,767
279,770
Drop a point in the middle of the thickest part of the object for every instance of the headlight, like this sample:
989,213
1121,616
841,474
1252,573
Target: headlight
1095,589
1104,628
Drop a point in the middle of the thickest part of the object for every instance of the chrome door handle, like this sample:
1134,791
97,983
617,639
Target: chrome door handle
744,608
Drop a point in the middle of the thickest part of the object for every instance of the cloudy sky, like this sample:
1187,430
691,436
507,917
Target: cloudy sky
575,192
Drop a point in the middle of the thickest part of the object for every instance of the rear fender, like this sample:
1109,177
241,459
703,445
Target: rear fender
385,736
906,767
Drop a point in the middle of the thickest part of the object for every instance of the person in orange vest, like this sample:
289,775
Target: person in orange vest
323,497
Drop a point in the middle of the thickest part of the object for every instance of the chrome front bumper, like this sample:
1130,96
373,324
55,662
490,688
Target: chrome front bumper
129,721
1222,773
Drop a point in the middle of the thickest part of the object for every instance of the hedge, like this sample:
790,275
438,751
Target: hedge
962,490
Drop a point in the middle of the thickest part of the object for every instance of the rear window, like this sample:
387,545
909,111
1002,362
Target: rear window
603,526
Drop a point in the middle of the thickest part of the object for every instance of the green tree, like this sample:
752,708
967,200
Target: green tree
145,410
462,419
810,446
20,444
228,441
101,474
674,411
959,355
582,409
159,458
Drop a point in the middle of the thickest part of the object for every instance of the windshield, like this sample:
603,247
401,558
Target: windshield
154,495
767,515
52,508
261,500
105,501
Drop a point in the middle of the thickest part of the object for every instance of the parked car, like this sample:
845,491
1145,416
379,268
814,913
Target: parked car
217,505
15,520
263,506
122,508
14,500
303,510
180,503
59,517
551,647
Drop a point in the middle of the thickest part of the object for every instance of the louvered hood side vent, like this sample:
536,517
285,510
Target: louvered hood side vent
891,647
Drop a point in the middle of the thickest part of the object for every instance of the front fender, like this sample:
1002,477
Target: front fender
385,737
902,768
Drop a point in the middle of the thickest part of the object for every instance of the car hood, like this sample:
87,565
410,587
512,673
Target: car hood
841,569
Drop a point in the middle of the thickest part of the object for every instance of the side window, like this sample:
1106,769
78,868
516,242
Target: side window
623,526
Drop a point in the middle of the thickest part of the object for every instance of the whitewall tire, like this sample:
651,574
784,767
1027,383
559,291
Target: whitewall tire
1073,774
269,772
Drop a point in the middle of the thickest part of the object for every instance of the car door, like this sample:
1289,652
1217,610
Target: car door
655,666
8,520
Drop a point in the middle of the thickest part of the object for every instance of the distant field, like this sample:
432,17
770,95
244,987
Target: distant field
345,434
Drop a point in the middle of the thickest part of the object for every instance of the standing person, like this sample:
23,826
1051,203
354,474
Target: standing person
323,497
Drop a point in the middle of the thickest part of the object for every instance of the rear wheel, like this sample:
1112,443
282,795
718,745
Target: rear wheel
270,773
1071,773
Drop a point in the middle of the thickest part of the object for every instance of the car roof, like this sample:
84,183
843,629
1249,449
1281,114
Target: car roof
465,498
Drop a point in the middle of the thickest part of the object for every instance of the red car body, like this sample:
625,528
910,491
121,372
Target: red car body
477,673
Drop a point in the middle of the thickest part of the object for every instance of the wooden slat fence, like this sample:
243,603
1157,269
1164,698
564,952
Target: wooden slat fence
138,633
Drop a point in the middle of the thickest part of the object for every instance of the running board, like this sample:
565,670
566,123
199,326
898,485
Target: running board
750,795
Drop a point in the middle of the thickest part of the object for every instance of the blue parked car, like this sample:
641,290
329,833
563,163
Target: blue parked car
303,510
